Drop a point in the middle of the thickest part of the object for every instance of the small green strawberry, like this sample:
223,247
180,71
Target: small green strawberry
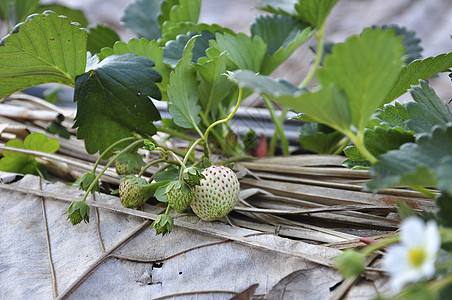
163,224
78,211
217,194
192,176
129,163
179,195
131,191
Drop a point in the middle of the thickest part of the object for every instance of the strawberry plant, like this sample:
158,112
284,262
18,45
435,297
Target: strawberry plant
203,72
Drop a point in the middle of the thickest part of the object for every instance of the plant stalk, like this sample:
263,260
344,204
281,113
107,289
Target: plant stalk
318,57
279,128
108,165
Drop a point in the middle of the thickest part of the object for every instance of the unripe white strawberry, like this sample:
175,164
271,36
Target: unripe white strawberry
217,193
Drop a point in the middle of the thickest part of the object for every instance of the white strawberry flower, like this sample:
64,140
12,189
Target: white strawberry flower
413,259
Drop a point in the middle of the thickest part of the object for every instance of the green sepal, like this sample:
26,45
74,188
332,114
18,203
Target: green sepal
78,211
163,224
192,176
350,263
84,181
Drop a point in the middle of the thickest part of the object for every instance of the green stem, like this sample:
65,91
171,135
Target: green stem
279,128
366,251
229,117
167,210
318,58
441,283
342,147
149,165
187,155
424,191
175,133
131,146
109,149
358,140
217,136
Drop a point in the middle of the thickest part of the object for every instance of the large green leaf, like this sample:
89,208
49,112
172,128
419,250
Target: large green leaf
23,163
45,48
264,84
327,105
214,86
427,110
393,115
183,11
283,35
415,164
183,91
244,52
101,36
141,17
410,41
314,12
145,48
417,70
365,67
113,100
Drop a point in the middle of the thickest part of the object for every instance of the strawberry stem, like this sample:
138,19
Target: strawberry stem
109,149
149,165
318,58
229,117
131,146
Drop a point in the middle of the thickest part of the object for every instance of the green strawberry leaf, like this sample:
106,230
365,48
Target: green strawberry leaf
185,27
173,50
183,91
286,7
393,115
145,48
214,86
365,67
26,164
415,164
419,70
45,48
101,36
427,111
319,138
75,15
314,12
380,140
141,17
113,100
178,11
327,105
355,160
283,35
264,84
410,41
244,52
